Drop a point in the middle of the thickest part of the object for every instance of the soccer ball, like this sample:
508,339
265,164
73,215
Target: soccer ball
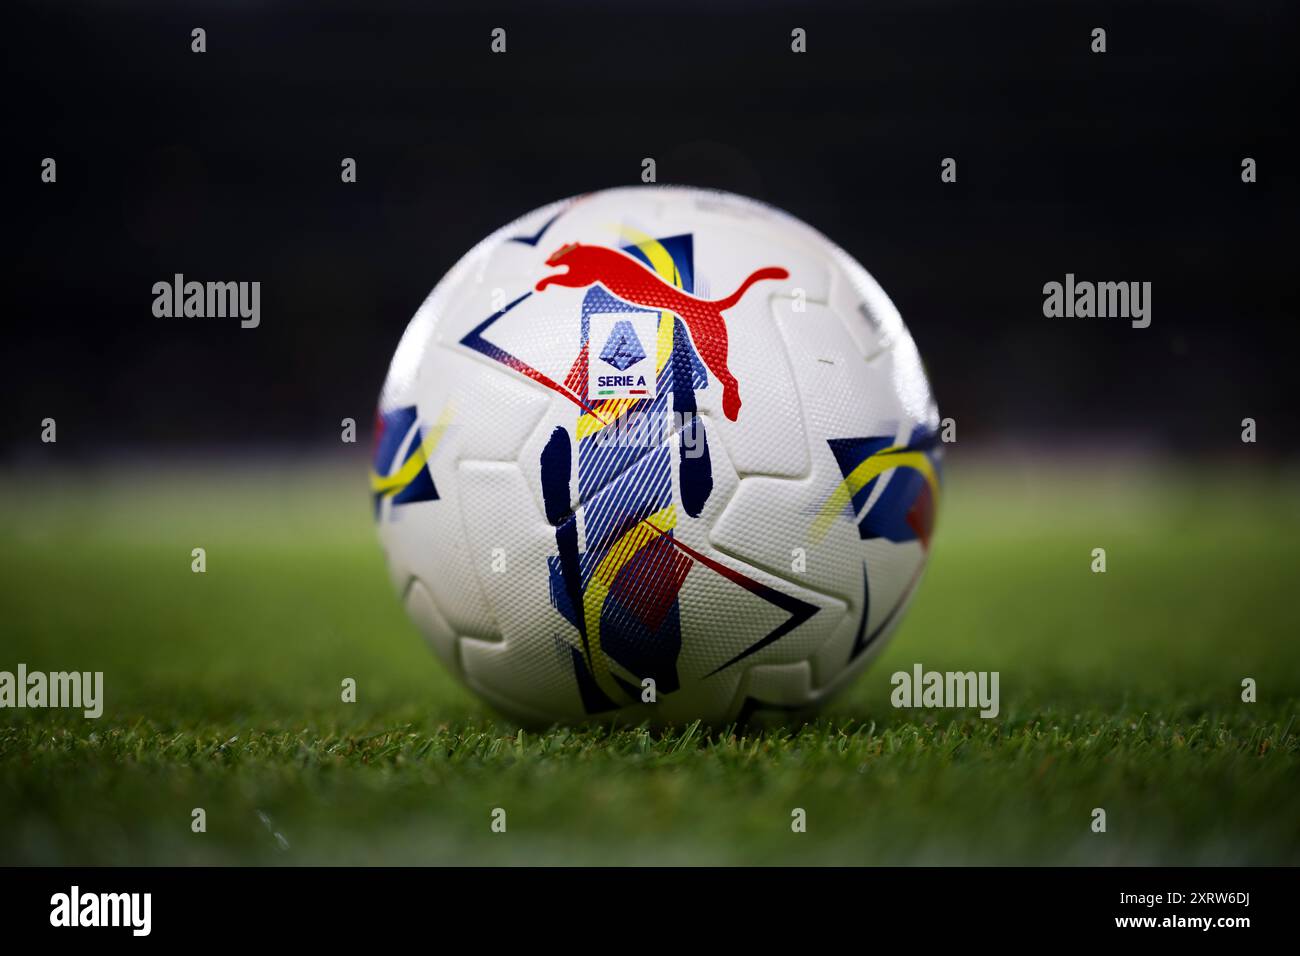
656,453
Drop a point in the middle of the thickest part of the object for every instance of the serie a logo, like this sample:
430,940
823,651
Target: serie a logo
620,381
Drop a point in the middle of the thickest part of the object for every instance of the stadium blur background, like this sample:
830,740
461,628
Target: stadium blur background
1123,166
1119,690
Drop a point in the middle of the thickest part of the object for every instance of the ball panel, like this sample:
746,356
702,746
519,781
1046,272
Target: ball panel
433,625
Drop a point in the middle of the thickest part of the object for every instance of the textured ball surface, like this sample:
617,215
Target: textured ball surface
656,453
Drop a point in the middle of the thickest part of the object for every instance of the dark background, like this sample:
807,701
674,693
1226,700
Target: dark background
225,166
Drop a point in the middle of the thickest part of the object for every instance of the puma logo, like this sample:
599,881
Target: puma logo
634,282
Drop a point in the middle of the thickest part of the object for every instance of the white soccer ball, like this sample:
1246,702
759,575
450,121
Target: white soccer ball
656,453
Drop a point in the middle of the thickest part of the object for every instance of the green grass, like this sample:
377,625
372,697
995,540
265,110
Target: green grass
1119,691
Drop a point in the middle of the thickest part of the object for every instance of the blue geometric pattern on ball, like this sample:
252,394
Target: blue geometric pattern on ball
623,348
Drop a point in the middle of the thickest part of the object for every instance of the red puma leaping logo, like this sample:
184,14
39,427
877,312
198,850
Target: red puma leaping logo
630,280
